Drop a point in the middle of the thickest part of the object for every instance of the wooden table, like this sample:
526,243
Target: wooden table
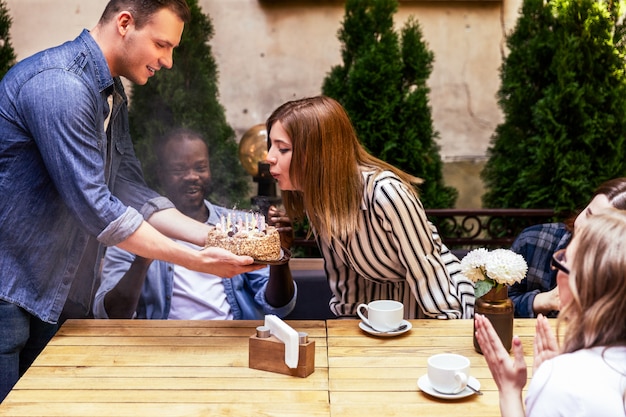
164,368
374,376
200,368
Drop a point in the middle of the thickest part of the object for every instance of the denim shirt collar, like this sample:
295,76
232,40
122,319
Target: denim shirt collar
104,78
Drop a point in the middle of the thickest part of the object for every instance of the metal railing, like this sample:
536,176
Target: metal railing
490,228
469,229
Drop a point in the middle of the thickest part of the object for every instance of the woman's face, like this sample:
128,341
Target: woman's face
599,203
279,156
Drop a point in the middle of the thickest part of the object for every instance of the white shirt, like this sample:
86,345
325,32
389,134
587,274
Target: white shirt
580,384
198,295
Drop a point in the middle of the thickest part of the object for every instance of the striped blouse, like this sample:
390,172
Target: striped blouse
396,254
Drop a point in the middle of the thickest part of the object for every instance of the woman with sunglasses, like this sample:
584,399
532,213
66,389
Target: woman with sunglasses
586,374
537,293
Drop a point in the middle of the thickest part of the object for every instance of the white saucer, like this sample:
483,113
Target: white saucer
424,384
373,332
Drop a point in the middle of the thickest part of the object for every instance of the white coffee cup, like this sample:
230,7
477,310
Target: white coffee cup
382,315
448,372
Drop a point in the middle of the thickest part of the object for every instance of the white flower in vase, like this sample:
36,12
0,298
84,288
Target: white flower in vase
489,269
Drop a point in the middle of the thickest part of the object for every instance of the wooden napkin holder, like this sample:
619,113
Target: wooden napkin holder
267,353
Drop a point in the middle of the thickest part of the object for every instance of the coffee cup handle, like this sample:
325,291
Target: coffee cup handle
461,378
358,311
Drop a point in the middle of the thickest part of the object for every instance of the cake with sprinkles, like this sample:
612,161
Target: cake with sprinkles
246,234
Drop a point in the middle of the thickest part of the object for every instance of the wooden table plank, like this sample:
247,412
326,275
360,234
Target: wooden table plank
176,328
153,356
413,404
172,410
250,383
168,396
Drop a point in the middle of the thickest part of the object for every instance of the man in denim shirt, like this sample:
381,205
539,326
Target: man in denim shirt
133,286
65,181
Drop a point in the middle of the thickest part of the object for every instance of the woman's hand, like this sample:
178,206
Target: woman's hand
510,374
278,218
545,346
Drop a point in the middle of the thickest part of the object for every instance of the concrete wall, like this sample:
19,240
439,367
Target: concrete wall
272,51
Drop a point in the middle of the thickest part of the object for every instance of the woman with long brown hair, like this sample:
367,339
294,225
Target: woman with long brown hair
365,214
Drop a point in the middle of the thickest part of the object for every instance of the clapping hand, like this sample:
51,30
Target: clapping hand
545,346
510,374
278,218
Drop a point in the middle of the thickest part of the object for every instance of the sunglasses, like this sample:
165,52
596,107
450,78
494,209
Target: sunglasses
556,263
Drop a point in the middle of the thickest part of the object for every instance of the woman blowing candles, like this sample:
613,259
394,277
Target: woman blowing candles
586,376
366,216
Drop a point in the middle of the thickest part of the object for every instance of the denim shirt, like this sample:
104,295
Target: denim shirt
59,183
245,292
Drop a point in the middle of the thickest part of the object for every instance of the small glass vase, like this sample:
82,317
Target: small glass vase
498,308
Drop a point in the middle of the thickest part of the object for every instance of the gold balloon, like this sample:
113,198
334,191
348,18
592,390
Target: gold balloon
253,148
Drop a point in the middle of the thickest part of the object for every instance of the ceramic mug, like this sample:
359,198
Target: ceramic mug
448,373
382,315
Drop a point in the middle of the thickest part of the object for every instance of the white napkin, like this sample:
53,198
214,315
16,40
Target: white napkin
287,335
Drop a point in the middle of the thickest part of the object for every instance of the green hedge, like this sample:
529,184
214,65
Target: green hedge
563,94
382,85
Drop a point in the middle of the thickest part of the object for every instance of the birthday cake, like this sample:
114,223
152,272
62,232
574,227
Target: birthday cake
246,234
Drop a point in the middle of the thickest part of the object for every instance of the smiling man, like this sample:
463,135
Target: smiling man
133,286
70,182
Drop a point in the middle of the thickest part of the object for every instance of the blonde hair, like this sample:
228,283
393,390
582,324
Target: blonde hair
326,165
596,314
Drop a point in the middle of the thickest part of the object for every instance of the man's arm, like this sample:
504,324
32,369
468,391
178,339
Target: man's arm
121,301
280,287
148,242
176,225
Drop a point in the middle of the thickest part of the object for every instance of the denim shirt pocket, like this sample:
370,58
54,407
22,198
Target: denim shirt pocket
124,146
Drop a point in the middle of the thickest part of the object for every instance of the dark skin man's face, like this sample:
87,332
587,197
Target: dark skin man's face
185,174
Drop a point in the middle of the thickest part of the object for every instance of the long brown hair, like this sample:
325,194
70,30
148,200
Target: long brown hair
326,165
596,316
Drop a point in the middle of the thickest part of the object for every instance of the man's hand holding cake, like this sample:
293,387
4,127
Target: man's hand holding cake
246,234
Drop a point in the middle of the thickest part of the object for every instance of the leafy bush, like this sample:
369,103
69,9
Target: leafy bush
562,94
382,85
7,55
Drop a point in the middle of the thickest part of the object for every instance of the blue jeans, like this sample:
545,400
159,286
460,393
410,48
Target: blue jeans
22,338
